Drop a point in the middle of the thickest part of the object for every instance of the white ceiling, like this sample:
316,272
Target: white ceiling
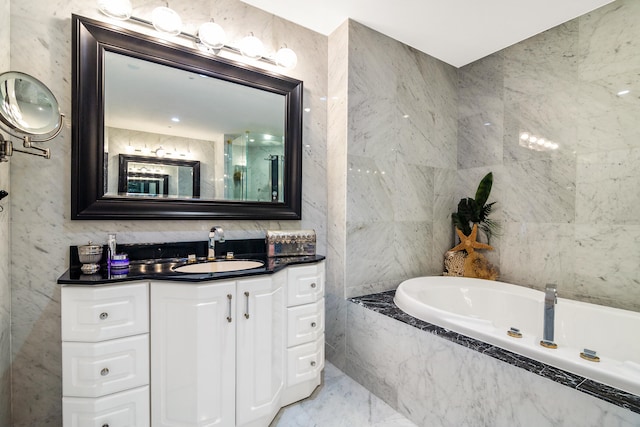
455,31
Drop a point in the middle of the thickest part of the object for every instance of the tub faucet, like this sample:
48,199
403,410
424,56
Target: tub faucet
215,234
550,301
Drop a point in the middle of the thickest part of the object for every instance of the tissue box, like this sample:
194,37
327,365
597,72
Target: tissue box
291,243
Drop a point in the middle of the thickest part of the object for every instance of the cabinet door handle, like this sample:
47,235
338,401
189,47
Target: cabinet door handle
229,297
313,363
313,324
104,372
246,312
313,285
104,315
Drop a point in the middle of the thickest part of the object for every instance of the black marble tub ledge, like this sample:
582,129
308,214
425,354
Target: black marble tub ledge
383,304
143,254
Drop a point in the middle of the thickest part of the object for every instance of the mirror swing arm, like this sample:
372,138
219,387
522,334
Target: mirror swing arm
7,148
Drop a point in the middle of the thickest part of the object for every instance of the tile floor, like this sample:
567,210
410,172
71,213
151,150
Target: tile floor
338,402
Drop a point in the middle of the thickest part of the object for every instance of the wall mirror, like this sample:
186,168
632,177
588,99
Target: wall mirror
232,133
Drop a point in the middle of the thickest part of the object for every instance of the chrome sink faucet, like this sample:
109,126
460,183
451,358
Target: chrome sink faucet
550,301
216,234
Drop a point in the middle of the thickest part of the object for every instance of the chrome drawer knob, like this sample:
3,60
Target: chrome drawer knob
104,372
313,363
103,316
313,285
105,425
313,324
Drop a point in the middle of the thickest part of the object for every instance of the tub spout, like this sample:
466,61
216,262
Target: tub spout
550,301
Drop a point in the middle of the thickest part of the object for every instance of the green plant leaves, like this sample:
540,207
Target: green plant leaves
484,189
476,211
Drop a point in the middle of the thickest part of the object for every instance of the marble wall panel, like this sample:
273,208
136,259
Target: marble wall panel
42,231
337,136
399,179
565,211
5,245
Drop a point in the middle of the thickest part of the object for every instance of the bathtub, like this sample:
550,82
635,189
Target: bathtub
485,310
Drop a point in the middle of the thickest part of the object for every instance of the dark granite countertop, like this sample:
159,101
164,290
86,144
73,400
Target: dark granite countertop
155,262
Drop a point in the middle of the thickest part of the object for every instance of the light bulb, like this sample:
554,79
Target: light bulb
116,9
212,35
251,47
166,21
160,152
286,58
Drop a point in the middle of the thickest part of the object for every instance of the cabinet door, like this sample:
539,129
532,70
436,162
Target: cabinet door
260,347
193,354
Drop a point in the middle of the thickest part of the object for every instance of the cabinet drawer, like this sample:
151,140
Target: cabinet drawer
305,284
126,409
97,369
94,314
305,362
305,323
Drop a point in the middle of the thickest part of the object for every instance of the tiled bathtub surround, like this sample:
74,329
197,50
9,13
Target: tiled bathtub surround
438,377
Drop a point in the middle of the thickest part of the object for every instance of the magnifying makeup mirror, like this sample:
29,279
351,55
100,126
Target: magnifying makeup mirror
29,108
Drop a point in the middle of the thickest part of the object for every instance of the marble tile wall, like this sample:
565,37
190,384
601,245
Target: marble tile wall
337,141
568,215
41,228
5,248
401,161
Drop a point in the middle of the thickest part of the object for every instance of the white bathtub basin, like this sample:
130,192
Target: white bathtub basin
486,310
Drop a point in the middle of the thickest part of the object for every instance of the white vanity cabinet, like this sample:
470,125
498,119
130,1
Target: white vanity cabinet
217,352
105,355
177,353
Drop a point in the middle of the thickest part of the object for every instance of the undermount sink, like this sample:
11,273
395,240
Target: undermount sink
221,266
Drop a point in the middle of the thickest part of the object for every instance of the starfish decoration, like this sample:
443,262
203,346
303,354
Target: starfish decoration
469,243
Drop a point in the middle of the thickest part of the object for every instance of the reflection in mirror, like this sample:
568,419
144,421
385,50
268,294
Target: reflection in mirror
135,96
153,177
181,121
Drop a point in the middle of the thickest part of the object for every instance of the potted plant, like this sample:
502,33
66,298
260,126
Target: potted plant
477,210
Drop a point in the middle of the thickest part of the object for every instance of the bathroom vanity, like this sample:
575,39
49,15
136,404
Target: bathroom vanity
219,349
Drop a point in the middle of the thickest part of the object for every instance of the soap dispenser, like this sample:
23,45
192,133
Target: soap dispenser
111,248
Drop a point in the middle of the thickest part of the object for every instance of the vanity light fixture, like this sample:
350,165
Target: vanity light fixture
286,58
166,21
160,152
251,47
116,9
210,36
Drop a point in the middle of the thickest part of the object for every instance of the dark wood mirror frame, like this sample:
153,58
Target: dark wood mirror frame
88,200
